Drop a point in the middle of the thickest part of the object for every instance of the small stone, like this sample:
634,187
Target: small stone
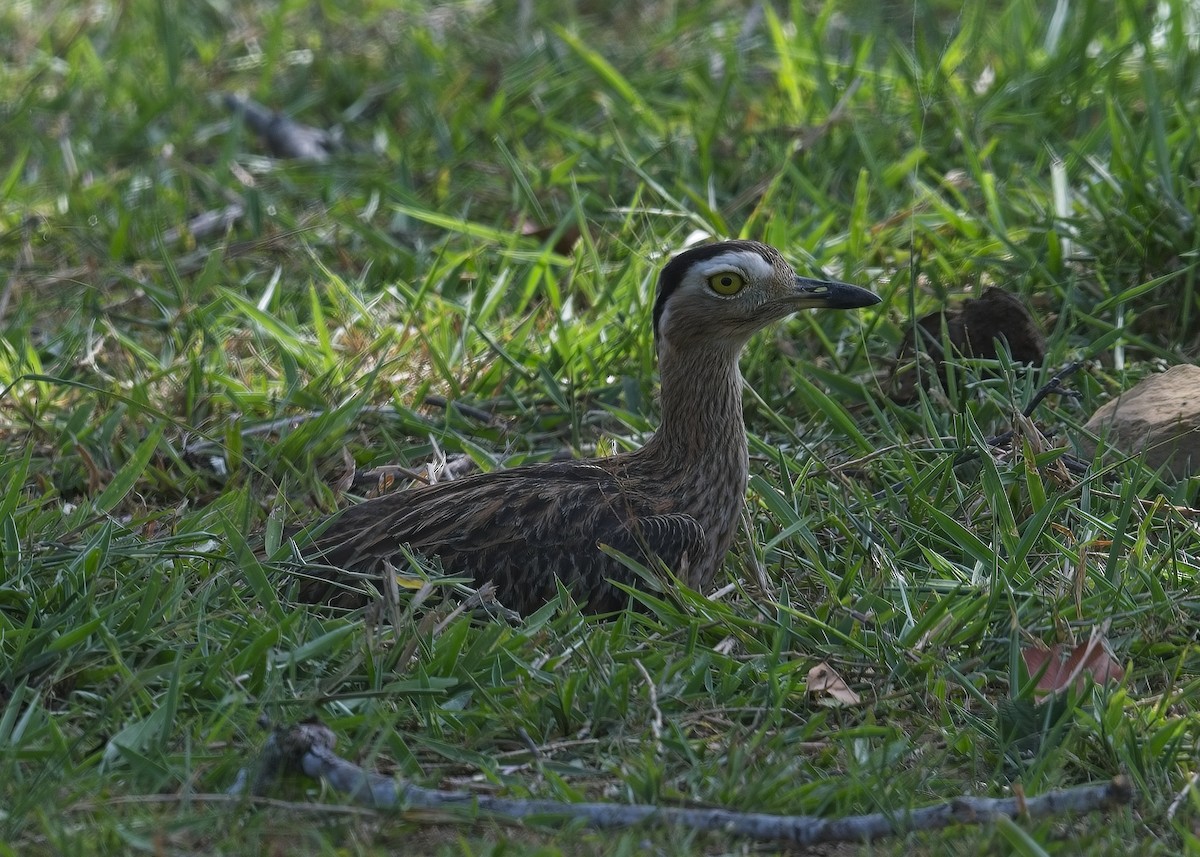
1158,417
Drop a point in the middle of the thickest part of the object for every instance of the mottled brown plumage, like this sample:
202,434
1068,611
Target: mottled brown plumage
678,498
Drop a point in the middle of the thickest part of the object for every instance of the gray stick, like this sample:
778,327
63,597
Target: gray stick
308,748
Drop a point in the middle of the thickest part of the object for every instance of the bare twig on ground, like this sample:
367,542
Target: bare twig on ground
1054,385
284,137
485,417
214,222
204,444
308,748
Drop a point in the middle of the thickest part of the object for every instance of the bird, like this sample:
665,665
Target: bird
676,499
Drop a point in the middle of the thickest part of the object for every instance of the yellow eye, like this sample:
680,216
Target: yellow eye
727,283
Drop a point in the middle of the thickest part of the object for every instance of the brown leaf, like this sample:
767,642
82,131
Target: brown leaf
346,480
565,242
823,679
1060,667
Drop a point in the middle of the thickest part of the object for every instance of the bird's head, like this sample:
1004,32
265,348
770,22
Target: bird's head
722,293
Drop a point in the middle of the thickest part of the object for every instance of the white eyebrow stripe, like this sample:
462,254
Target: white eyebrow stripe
748,262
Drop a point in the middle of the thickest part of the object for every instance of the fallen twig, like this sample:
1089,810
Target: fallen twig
204,444
308,748
285,137
486,417
205,225
1054,385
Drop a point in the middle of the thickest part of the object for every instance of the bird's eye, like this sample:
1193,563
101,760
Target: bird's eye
727,283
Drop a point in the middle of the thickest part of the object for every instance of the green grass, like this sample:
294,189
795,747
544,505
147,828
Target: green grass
927,150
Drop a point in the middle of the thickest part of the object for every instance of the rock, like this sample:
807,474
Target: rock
973,330
1159,416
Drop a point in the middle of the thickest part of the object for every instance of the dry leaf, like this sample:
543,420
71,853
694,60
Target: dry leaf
1060,667
346,480
824,680
565,242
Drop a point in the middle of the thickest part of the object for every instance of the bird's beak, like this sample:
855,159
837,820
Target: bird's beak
830,295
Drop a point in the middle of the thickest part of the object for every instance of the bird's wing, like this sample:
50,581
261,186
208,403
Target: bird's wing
675,538
520,529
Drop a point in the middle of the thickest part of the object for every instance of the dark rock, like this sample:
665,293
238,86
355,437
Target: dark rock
972,330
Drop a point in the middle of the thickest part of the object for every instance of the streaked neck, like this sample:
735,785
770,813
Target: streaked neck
701,406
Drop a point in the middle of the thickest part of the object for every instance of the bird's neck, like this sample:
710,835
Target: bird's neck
698,457
702,425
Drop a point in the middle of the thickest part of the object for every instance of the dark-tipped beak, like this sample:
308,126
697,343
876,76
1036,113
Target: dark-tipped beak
831,295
